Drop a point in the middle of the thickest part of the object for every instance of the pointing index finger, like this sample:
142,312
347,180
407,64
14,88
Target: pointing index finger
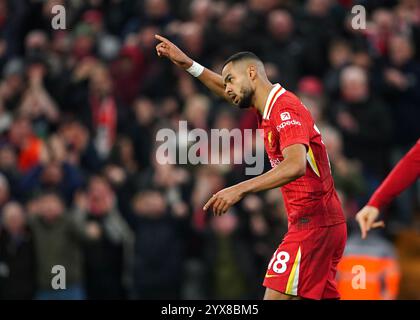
163,39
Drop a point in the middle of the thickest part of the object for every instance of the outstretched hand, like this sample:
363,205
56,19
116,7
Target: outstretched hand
169,50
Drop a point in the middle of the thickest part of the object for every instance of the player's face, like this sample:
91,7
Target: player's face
237,85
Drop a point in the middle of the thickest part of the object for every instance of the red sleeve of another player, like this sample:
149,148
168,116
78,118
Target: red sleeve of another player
400,178
291,126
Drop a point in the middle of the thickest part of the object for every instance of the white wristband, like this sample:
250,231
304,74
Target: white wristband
196,69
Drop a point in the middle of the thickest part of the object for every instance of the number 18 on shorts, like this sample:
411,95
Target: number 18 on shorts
305,263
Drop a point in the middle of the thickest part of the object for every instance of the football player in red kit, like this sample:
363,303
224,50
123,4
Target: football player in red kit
304,265
405,173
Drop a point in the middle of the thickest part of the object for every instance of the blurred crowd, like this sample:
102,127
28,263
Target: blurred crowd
80,185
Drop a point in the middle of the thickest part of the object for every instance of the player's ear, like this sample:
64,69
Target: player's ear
252,72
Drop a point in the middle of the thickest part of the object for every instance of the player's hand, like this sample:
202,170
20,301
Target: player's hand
168,50
224,199
366,219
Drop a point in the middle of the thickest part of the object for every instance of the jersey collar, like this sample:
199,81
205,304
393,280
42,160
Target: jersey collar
272,97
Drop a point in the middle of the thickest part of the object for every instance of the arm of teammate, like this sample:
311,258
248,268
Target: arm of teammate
291,168
210,79
401,177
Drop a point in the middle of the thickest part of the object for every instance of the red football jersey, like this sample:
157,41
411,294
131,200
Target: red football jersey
311,201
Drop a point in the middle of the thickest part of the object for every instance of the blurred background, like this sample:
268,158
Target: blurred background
79,109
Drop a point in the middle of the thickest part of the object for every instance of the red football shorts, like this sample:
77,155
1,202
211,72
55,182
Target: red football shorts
305,263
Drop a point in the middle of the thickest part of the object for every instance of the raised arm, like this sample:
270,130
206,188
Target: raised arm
210,79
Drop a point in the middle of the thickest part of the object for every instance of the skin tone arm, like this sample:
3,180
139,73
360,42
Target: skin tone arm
291,168
210,79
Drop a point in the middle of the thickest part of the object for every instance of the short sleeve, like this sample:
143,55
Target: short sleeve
291,126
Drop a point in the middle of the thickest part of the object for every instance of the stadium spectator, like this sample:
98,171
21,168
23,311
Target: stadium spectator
267,221
339,56
80,150
283,48
109,253
364,121
158,229
57,237
382,27
401,78
127,73
17,258
28,145
12,84
227,260
311,93
316,25
36,103
347,173
53,173
142,128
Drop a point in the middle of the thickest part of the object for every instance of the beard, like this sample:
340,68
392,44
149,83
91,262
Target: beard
246,100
